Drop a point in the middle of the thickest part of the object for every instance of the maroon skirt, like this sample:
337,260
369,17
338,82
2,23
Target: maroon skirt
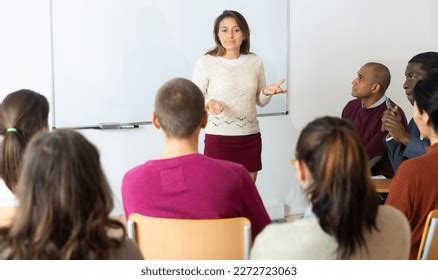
246,150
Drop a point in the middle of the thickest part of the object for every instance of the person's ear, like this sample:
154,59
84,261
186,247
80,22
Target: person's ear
424,119
376,88
300,169
204,119
155,121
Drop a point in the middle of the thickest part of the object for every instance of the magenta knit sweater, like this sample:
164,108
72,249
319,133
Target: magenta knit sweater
193,187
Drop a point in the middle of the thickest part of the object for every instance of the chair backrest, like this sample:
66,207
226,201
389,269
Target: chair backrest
6,216
164,238
429,241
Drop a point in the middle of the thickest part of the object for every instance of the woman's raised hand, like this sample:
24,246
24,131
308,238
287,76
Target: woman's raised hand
274,88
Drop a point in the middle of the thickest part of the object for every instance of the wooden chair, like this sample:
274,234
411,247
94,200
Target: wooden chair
382,185
6,216
382,188
429,241
163,238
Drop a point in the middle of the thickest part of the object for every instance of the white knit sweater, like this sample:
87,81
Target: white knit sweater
306,240
237,88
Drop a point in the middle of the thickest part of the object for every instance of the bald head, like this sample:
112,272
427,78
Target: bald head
380,74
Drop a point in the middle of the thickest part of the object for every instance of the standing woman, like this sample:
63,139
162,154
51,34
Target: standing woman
233,80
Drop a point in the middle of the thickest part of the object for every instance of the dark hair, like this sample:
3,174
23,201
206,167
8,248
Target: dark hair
428,60
219,50
426,98
179,106
342,196
64,204
380,74
24,113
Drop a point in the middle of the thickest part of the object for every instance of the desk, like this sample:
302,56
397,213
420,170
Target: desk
382,185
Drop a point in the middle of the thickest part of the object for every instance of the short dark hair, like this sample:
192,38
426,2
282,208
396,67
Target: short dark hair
381,74
179,107
219,50
341,192
428,60
65,202
24,113
426,98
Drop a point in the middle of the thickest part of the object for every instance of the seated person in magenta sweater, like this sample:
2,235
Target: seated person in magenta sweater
365,113
403,144
180,182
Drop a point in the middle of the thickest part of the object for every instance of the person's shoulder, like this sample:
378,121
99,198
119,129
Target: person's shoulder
351,106
272,236
207,58
392,219
137,170
420,165
302,226
391,213
308,241
307,225
353,103
411,166
253,58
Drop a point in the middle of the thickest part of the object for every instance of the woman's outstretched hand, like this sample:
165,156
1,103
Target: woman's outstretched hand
274,88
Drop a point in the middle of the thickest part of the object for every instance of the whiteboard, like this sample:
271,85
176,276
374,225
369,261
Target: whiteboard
111,56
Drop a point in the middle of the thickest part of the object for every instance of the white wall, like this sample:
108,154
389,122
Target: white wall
25,62
132,48
25,49
330,40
